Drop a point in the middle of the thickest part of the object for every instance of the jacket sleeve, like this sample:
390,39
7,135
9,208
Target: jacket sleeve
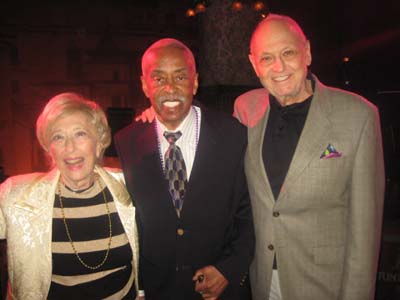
365,215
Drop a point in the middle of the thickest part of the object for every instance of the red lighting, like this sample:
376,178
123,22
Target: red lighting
190,12
346,59
200,7
258,5
237,5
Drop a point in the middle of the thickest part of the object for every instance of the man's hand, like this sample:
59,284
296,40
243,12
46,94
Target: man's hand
210,283
147,115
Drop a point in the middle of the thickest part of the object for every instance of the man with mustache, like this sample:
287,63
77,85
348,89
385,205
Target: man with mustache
185,174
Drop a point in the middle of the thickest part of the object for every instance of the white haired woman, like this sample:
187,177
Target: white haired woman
71,232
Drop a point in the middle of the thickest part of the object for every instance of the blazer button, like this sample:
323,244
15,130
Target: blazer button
271,247
180,231
276,214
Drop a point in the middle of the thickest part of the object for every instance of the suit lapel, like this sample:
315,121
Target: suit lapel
264,174
255,166
149,161
313,140
205,149
147,144
205,154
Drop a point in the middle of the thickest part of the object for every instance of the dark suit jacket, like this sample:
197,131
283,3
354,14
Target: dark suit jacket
215,227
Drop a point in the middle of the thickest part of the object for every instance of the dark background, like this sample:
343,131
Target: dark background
94,47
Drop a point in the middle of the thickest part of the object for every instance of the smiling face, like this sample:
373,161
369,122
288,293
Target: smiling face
169,80
280,55
75,149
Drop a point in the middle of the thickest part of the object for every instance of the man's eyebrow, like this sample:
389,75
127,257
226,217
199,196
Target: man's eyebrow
185,69
158,71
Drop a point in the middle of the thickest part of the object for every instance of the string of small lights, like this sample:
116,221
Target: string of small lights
200,6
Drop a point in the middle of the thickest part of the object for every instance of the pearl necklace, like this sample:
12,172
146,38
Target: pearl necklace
69,233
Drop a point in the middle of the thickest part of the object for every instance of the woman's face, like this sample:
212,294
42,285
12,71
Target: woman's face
75,149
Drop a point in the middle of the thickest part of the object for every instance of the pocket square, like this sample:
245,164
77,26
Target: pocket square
330,152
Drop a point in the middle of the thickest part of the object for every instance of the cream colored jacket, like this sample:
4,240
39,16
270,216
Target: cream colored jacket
26,211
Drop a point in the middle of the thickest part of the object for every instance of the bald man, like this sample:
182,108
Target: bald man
314,167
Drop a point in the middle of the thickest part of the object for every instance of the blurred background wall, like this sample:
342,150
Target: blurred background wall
94,48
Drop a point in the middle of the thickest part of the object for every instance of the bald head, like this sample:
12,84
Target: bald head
280,55
276,23
168,43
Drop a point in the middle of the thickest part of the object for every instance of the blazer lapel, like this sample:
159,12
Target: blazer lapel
146,145
38,201
205,153
313,140
256,140
116,188
126,212
46,185
123,203
150,161
205,149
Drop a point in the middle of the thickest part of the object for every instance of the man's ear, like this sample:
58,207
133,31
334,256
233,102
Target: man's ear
195,83
253,63
144,86
308,53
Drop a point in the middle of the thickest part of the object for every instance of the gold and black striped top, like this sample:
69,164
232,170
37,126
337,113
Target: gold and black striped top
88,223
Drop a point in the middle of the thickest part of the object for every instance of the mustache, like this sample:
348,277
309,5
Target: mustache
171,98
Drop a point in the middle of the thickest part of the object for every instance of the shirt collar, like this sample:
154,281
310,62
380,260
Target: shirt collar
183,127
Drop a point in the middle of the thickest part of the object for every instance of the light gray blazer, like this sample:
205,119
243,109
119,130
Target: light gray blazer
325,226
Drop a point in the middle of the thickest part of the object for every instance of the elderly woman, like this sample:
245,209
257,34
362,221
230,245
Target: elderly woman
71,232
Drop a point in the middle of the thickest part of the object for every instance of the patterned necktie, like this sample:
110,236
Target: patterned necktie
175,170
